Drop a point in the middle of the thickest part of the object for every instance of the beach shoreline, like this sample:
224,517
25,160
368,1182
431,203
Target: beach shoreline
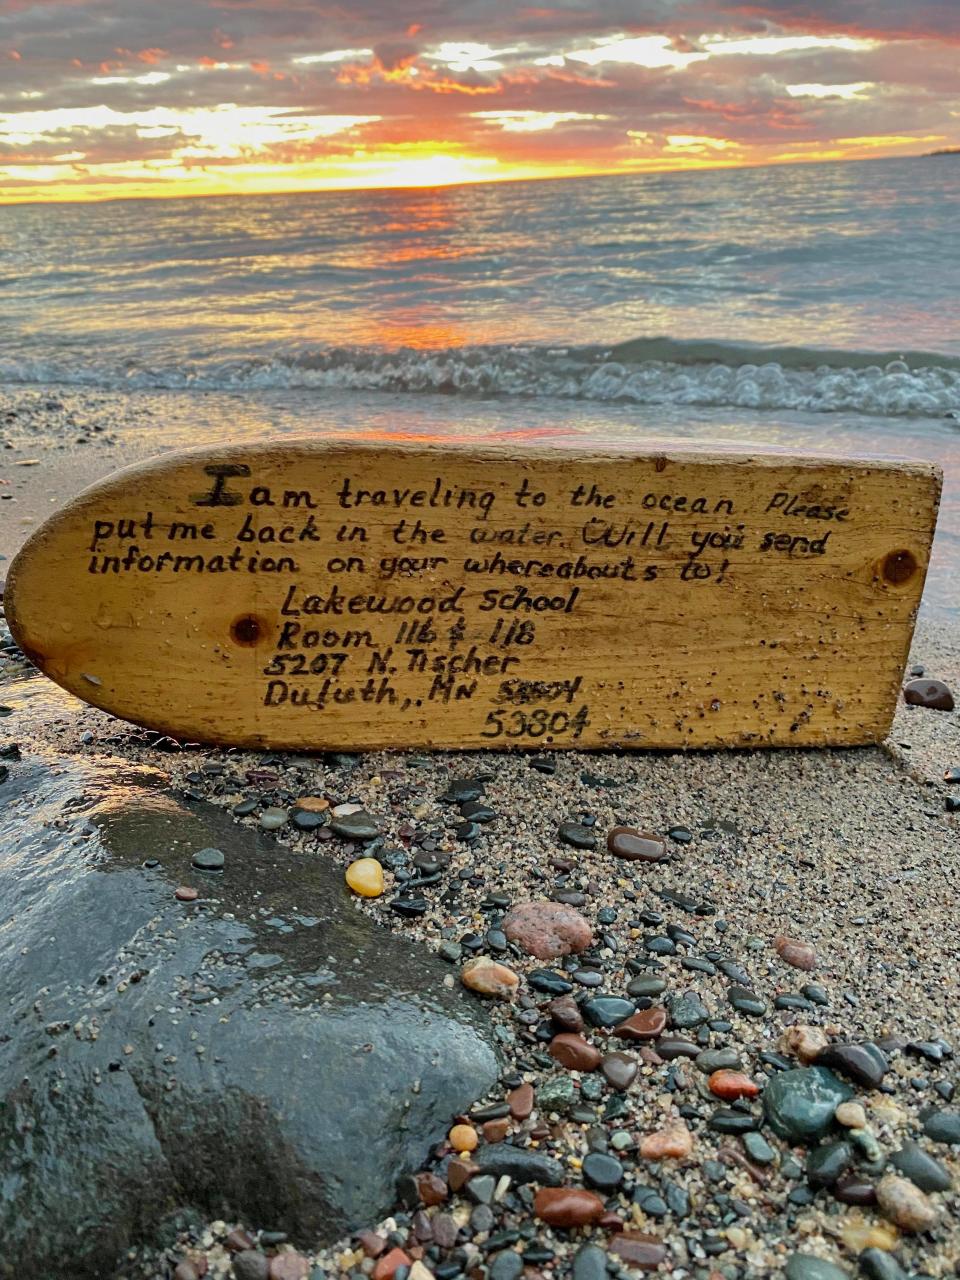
849,851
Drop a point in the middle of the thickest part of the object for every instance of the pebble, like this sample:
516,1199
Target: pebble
816,994
904,1204
549,982
758,1148
807,1266
186,893
804,1042
365,877
933,694
636,846
521,1101
826,1163
520,1164
386,1265
294,1266
852,1189
507,1265
360,826
601,1171
851,1115
730,1085
208,860
462,791
607,1011
251,1264
577,835
864,1064
567,1206
712,1060
463,1137
682,835
799,1104
590,1263
923,1170
619,1070
675,1142
645,1025
746,1001
798,954
639,1250
272,820
565,1012
575,1053
687,1011
877,1264
942,1125
547,929
488,978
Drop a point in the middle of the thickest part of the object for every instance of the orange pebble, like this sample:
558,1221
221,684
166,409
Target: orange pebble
733,1084
672,1143
388,1264
463,1137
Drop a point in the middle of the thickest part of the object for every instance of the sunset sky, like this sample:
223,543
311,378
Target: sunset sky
106,98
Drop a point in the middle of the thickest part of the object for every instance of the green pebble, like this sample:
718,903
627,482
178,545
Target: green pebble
804,1266
799,1104
758,1148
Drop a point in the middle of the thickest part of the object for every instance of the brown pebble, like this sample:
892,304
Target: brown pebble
619,1070
567,1206
853,1190
639,1250
547,929
566,1013
611,1222
649,1056
574,1053
313,804
636,846
488,978
496,1130
289,1266
420,1225
371,1243
904,1204
459,1172
804,1042
239,1241
521,1101
645,1025
732,1084
185,1271
431,1189
186,893
674,1142
387,1265
933,694
798,954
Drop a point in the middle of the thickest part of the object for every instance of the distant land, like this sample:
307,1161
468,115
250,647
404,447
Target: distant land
943,151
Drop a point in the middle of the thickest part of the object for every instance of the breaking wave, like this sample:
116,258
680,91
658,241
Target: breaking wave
646,371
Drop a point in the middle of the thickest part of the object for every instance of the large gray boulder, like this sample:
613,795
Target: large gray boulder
266,1053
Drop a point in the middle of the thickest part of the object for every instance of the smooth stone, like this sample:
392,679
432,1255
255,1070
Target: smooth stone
305,820
360,826
650,1201
718,1060
758,1148
208,860
273,819
636,846
602,1172
681,835
639,1250
577,835
519,1164
825,1164
251,1264
864,1064
647,1024
731,1085
607,1011
942,1125
547,929
245,807
933,694
507,1265
646,986
557,1093
549,982
736,973
619,1070
590,1263
746,1001
365,877
462,791
922,1169
410,906
815,994
310,1140
727,1120
799,1104
521,1101
489,978
477,811
877,1264
670,1047
904,1204
806,1266
852,1189
574,1053
800,955
568,1206
686,1011
565,1012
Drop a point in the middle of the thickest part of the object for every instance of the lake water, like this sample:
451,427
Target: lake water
812,306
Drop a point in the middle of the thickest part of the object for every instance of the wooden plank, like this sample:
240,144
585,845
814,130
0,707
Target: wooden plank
348,594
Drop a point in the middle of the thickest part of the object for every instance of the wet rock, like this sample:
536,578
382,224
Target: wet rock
904,1204
686,1011
619,1070
675,1142
636,846
488,978
567,1206
90,1174
365,877
590,1263
712,1060
648,1024
933,694
864,1064
877,1264
636,1249
565,1012
521,1101
746,1001
574,1053
607,1011
578,835
186,893
852,1189
251,1265
799,1104
758,1148
360,826
520,1164
942,1125
463,1138
208,860
793,952
547,929
601,1171
730,1085
549,982
826,1163
807,1266
923,1170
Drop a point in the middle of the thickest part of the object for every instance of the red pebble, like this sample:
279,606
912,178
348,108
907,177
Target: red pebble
388,1264
733,1084
186,893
